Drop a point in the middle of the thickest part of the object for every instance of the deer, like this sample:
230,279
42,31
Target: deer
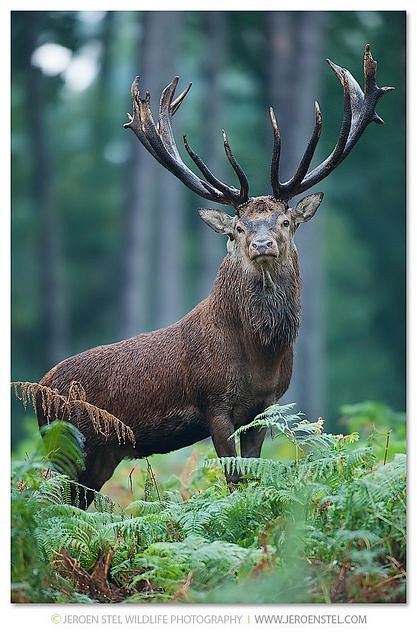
231,356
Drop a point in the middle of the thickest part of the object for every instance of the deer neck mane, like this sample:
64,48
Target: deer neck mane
265,305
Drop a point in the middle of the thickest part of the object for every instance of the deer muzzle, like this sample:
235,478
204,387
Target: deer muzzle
263,248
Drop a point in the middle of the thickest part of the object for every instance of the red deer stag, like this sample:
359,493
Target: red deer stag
231,356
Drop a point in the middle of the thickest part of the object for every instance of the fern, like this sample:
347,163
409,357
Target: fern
36,486
63,447
164,566
334,510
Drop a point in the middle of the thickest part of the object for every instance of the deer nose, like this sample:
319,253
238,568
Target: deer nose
262,245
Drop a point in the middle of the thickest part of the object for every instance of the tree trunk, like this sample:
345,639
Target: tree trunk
294,82
51,290
170,219
212,246
148,190
104,86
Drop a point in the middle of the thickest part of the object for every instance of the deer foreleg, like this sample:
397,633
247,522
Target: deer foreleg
251,443
221,428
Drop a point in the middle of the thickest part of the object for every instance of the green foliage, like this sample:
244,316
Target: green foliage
382,424
167,565
63,444
333,516
37,484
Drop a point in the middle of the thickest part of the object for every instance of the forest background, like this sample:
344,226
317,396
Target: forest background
106,243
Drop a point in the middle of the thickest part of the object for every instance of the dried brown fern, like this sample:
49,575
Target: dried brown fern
97,584
65,407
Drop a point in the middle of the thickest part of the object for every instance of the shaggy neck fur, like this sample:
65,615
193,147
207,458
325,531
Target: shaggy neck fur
265,302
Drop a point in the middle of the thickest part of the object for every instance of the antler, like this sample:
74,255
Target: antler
159,141
359,111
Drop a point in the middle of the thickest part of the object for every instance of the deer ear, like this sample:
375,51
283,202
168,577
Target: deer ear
307,207
217,220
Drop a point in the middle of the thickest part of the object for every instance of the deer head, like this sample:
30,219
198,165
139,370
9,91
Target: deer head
261,234
263,227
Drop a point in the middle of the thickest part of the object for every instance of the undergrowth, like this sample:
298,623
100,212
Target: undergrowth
327,524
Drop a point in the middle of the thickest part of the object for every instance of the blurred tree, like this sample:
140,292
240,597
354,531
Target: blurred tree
51,290
104,86
295,68
212,251
153,221
170,214
364,240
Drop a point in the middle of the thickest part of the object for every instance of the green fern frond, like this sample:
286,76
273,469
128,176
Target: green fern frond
63,445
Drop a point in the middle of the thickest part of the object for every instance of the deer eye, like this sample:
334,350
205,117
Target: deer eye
239,229
286,223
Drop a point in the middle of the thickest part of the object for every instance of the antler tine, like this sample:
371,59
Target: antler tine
331,162
175,105
276,154
244,185
166,100
215,182
366,100
159,140
173,163
135,120
164,118
359,111
304,165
